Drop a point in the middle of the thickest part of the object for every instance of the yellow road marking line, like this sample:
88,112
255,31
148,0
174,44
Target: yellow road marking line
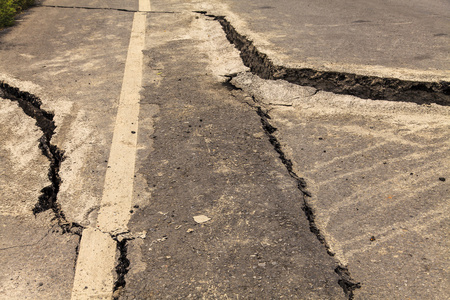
144,5
94,275
117,193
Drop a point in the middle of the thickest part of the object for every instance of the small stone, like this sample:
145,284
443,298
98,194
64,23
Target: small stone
201,219
141,235
162,239
262,265
190,230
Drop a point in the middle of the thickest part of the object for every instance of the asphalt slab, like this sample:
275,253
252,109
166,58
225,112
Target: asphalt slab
212,158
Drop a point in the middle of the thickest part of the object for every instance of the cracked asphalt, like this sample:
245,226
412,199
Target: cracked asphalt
244,186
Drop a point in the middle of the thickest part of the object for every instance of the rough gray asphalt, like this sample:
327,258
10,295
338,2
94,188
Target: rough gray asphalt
73,60
32,251
377,171
211,157
398,38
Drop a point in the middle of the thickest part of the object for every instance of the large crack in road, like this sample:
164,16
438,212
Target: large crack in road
365,87
122,268
48,199
31,106
87,7
346,282
101,8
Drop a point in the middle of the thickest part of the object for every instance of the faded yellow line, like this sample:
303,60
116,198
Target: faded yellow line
144,5
94,275
118,189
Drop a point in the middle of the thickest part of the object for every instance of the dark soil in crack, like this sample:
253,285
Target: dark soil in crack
31,106
362,86
121,268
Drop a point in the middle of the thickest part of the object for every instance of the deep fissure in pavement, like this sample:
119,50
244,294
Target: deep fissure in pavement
103,8
362,86
346,282
31,106
122,267
87,7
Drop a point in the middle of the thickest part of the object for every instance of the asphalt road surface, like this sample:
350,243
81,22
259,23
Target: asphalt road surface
386,38
225,150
